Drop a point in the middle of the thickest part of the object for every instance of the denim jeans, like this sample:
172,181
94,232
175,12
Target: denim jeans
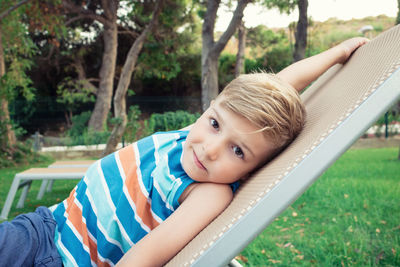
28,240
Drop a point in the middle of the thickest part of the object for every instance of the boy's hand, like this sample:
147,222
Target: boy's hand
349,46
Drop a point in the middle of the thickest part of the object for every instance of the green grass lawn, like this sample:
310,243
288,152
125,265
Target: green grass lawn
348,217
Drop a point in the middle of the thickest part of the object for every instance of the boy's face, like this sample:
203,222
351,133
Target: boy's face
223,147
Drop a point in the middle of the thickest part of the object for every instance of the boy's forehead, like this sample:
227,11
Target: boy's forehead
239,123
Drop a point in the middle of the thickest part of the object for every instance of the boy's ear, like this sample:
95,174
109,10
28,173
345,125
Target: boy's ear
212,102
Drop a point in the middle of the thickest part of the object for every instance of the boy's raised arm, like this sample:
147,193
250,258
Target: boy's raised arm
303,72
200,206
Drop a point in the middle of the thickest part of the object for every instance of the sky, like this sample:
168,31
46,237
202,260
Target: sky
319,10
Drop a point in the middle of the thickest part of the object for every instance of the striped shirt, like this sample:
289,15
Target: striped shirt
121,198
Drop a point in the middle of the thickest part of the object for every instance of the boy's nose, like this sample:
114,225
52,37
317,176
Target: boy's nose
212,149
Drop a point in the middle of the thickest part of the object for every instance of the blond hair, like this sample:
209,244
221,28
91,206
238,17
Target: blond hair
269,103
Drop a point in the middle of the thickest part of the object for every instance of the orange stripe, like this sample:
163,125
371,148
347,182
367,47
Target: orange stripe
93,254
71,197
143,208
101,264
93,250
75,216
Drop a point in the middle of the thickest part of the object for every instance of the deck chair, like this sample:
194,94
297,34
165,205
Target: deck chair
341,105
47,185
24,179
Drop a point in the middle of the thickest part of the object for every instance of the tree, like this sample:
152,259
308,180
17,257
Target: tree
16,49
287,6
398,18
124,81
239,67
7,131
17,21
211,49
130,20
301,31
104,12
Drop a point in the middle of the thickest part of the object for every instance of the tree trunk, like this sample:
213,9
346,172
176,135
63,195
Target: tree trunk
10,139
211,49
80,71
301,32
209,81
107,71
239,68
398,17
124,81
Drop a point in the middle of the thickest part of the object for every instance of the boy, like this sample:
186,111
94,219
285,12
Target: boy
139,206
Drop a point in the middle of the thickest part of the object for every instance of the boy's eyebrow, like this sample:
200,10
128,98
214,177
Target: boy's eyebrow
221,121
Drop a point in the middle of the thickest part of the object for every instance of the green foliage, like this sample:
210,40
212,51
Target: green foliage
261,38
274,60
16,80
168,121
20,154
80,135
226,69
133,125
173,38
79,124
269,50
18,131
158,62
72,93
284,6
390,117
251,65
18,51
278,58
90,137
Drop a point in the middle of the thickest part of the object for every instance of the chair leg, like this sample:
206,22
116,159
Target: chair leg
42,189
10,198
25,189
50,186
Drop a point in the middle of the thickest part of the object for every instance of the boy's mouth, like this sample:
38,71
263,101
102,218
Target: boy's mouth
197,162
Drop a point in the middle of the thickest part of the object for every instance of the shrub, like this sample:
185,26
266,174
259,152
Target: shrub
278,58
252,65
226,69
390,117
81,135
20,154
168,121
79,124
133,125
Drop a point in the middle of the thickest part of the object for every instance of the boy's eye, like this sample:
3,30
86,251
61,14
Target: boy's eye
238,151
214,124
